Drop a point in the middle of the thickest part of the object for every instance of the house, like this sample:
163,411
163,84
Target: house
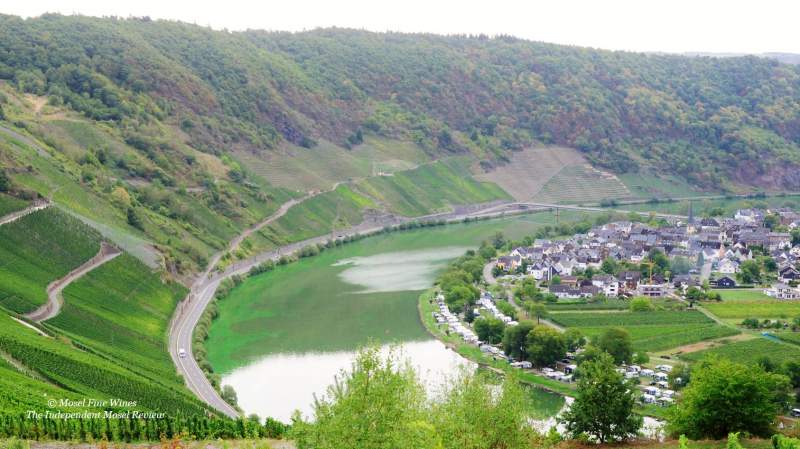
609,284
788,274
684,281
726,282
565,291
652,290
728,266
629,280
508,263
783,291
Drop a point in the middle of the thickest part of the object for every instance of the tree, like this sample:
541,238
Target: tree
609,265
536,309
545,346
134,220
604,403
515,340
617,342
680,376
379,403
461,296
555,280
229,395
749,272
681,265
641,305
489,329
527,290
574,338
5,182
725,397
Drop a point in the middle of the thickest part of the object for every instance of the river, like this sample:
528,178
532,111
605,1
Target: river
283,336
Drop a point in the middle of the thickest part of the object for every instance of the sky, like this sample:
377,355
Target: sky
736,26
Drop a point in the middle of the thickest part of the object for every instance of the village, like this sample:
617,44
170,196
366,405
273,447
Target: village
619,260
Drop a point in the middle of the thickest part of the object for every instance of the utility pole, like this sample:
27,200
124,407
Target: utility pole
557,214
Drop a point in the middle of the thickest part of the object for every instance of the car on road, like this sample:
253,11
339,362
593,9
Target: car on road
182,353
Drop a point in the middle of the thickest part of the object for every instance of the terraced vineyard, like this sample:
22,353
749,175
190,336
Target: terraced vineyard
581,184
38,249
430,188
750,351
650,331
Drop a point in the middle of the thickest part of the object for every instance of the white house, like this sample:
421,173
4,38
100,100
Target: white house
728,266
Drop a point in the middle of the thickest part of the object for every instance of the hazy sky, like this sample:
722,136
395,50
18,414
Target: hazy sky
644,25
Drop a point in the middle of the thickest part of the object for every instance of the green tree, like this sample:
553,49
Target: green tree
527,290
725,397
515,340
641,305
609,265
616,342
379,403
604,403
749,272
489,329
474,414
461,296
574,338
134,220
5,181
545,346
536,309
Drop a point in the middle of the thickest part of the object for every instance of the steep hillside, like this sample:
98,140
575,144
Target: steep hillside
715,121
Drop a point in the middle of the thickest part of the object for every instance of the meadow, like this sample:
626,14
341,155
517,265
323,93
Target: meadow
750,351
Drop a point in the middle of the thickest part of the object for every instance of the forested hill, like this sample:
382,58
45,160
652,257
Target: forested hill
711,120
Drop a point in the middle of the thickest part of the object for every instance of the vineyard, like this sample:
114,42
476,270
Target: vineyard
38,249
650,331
623,319
750,351
121,309
10,204
765,307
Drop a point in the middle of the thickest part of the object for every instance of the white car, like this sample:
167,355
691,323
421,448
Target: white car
182,353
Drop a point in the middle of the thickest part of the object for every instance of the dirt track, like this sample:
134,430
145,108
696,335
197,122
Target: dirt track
54,298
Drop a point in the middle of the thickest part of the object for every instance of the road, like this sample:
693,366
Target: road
705,271
54,298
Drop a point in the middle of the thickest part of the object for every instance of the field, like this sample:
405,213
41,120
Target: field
609,304
121,309
727,206
10,204
751,303
38,249
430,188
750,351
789,337
650,331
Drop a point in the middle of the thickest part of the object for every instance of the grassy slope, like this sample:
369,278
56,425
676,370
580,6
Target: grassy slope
38,249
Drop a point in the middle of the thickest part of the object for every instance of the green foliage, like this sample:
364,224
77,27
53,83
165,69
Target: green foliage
515,340
725,397
380,403
641,305
545,346
617,342
489,330
603,406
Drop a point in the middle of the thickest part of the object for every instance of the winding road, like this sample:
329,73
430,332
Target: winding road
54,298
